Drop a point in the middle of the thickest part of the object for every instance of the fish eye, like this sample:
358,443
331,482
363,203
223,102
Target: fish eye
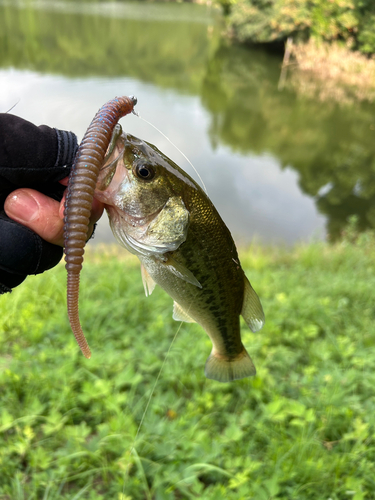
145,172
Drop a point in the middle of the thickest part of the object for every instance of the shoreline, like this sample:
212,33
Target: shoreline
328,72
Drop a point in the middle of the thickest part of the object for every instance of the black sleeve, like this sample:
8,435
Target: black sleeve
31,157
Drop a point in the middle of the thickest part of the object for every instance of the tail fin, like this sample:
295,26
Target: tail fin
225,370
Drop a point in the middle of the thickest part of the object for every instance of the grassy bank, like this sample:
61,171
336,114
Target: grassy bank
334,42
303,428
270,21
331,72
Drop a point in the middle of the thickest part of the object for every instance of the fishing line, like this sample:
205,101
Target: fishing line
179,150
132,449
14,105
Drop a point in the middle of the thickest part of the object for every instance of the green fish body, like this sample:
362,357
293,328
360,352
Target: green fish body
163,216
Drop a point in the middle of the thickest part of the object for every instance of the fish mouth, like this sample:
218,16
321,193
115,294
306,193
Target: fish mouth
117,209
119,214
113,174
131,140
111,177
114,180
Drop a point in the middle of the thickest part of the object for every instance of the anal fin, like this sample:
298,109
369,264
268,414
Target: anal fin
252,310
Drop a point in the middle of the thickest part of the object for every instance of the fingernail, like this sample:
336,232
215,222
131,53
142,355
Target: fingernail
22,207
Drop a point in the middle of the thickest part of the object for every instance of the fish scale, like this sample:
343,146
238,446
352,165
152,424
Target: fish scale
162,215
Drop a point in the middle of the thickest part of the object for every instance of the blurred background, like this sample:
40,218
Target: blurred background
281,165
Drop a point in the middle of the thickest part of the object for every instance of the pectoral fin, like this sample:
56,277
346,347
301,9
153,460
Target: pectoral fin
181,271
148,283
180,314
252,311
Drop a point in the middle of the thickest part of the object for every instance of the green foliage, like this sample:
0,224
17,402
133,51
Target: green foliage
302,428
164,44
331,147
264,21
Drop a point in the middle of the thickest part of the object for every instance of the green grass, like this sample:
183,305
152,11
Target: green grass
303,428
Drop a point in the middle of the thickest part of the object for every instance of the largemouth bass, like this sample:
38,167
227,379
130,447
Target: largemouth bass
162,215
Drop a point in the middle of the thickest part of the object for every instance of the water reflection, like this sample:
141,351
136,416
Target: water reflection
270,160
332,147
165,44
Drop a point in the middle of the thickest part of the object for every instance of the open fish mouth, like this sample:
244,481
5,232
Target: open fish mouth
122,216
111,176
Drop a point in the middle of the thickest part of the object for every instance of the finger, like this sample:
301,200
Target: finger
38,212
64,181
43,215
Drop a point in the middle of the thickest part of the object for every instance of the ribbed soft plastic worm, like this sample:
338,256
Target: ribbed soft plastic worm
81,187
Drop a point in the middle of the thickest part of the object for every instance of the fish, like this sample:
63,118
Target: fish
161,215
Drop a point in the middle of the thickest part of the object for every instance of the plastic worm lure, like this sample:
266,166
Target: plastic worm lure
82,181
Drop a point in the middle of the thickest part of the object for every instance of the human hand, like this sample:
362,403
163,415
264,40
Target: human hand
44,215
34,164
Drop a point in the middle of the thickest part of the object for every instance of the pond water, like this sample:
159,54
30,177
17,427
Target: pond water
279,167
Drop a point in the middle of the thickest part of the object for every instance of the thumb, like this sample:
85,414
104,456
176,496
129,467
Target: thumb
38,212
